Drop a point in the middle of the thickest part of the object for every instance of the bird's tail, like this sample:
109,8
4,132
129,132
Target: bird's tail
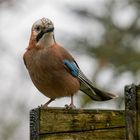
94,93
97,94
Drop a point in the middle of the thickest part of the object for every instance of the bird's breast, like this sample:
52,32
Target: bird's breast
49,75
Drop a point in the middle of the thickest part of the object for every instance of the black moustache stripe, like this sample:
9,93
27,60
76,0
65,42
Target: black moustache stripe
39,36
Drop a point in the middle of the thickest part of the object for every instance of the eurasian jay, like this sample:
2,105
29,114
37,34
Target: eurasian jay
53,70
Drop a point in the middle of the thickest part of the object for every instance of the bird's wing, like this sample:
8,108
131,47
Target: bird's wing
86,85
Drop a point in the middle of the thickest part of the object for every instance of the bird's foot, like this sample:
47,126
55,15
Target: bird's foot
71,106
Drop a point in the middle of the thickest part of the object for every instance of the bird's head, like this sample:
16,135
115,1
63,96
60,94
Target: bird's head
42,32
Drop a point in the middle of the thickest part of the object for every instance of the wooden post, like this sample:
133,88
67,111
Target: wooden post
138,110
60,123
132,112
86,124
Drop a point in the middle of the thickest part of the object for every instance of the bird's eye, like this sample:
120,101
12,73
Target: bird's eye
38,28
49,23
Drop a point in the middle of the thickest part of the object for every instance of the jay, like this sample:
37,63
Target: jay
52,68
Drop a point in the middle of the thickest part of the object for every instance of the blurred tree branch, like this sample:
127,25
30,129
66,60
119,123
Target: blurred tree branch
118,45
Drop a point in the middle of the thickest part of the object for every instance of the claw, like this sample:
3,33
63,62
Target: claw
71,106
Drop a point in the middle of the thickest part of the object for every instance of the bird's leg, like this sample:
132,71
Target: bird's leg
71,106
46,104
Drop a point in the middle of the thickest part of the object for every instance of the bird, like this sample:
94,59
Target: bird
53,70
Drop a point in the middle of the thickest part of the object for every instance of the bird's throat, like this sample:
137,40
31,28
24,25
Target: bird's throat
46,41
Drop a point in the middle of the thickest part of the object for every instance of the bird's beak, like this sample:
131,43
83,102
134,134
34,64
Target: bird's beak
45,30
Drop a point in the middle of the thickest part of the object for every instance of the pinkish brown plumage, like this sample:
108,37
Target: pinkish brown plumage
47,74
52,69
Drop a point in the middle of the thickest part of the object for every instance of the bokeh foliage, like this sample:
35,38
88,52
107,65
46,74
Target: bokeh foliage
118,46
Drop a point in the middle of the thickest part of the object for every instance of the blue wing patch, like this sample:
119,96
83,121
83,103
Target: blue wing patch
72,67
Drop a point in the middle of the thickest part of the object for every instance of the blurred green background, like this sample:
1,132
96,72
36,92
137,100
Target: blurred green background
102,35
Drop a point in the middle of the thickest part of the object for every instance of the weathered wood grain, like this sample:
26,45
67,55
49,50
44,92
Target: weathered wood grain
132,112
107,134
55,120
138,109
